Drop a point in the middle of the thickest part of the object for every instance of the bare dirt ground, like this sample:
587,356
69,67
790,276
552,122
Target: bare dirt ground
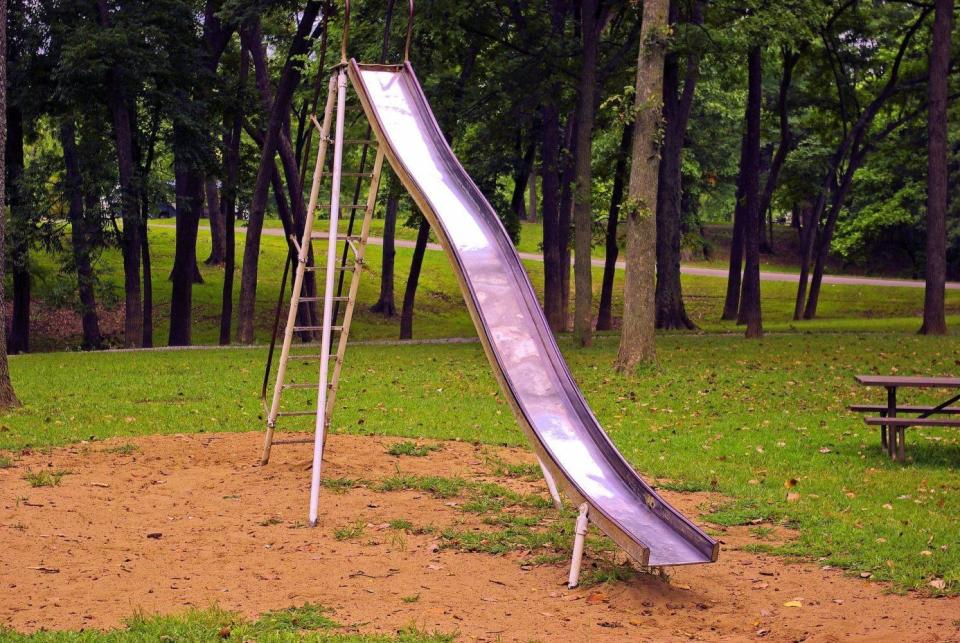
190,521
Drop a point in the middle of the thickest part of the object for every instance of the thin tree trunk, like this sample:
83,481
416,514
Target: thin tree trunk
532,193
605,314
750,297
731,304
934,316
19,339
215,215
129,209
583,177
385,303
409,295
289,79
670,311
8,398
550,214
147,285
637,333
790,59
521,174
80,239
566,215
232,134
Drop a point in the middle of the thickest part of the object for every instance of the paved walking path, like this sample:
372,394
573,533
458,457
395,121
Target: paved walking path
686,270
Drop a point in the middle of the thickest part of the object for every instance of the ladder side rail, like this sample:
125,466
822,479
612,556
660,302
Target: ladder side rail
328,296
301,262
354,285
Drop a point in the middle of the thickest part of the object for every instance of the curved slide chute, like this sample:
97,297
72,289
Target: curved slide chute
516,338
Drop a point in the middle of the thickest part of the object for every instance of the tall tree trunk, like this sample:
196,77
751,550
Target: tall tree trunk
750,297
215,215
731,304
289,79
385,303
189,196
566,214
790,59
550,214
521,174
605,314
232,133
8,399
637,333
583,178
19,233
129,208
80,238
532,192
934,317
147,284
670,311
410,294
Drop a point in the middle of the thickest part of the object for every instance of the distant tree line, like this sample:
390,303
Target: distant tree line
819,114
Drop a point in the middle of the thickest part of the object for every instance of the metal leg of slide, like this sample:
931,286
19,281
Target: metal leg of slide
551,485
580,536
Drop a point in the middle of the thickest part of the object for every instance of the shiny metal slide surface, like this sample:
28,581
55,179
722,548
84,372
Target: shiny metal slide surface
514,332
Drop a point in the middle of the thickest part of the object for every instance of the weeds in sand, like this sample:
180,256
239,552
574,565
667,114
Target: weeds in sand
272,520
762,531
401,524
436,485
123,449
410,599
411,448
44,478
607,572
502,468
5,462
340,485
349,532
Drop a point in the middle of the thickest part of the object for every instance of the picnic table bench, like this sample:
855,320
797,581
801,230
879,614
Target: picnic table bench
893,428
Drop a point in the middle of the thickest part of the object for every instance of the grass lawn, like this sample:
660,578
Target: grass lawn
753,421
440,311
305,623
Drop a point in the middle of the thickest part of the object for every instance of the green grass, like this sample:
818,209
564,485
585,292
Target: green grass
410,448
6,462
306,623
44,478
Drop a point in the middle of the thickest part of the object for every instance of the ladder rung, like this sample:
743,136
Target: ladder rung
298,329
294,441
310,358
347,268
324,236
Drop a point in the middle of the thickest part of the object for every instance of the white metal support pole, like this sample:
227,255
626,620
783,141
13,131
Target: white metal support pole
298,275
551,485
328,298
578,540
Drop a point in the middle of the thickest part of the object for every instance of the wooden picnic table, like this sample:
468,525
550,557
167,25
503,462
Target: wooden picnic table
893,428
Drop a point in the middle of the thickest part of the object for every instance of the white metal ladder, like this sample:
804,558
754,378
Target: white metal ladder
350,264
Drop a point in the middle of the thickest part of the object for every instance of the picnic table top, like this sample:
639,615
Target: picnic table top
919,381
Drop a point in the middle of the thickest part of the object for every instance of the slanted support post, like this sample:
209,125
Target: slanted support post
578,540
551,485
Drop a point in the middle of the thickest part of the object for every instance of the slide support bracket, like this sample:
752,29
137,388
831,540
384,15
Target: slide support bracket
580,536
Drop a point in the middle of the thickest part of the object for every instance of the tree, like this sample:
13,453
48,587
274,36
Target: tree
677,104
637,334
279,114
612,244
934,319
410,293
749,313
590,28
8,398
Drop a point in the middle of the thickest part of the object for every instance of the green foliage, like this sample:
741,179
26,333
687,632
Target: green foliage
44,478
411,448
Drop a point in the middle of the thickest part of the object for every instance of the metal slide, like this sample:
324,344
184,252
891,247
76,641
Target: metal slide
519,344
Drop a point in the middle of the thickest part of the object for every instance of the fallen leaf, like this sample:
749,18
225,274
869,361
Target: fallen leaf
47,570
938,583
888,506
793,497
926,552
791,483
793,604
824,450
680,585
156,535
